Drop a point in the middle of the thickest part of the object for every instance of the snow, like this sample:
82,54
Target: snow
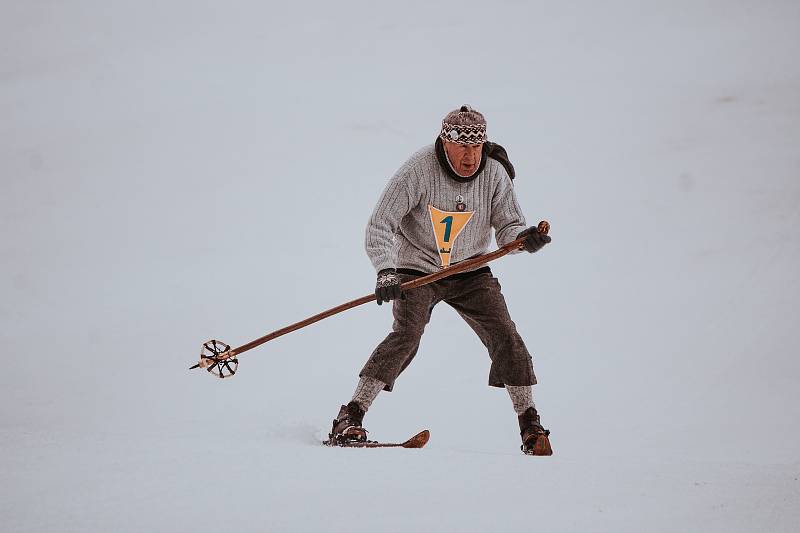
177,171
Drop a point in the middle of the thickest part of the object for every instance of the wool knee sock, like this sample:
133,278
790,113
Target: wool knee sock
521,397
366,391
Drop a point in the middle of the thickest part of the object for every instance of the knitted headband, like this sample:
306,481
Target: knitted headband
464,126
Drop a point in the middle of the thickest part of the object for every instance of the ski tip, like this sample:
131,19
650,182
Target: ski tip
419,440
542,447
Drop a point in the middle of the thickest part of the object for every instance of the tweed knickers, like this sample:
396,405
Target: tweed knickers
479,301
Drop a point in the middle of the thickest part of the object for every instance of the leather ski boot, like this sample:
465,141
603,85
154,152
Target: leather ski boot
535,439
347,425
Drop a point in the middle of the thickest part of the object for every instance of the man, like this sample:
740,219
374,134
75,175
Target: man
437,210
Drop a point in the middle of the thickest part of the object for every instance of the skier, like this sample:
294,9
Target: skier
438,209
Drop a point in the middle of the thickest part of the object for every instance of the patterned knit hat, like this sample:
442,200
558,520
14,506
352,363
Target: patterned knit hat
464,126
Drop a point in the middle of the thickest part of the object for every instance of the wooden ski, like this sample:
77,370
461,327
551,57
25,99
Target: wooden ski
417,441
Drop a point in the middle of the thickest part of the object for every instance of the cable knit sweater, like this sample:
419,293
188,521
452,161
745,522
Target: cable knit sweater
401,232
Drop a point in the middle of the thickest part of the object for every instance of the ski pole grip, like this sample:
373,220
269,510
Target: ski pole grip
543,227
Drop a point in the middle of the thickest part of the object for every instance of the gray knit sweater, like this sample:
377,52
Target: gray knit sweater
402,231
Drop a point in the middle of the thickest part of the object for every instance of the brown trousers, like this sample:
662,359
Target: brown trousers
479,301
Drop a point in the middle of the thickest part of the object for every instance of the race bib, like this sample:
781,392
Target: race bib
447,225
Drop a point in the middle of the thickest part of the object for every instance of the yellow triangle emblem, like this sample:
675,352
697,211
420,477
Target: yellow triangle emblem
447,225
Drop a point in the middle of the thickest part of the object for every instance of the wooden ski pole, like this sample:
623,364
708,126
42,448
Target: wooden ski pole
219,359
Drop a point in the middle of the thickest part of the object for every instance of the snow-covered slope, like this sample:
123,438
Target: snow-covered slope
175,171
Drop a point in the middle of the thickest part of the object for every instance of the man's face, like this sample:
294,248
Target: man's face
465,158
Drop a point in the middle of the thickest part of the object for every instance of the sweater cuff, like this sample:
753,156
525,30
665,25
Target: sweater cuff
383,265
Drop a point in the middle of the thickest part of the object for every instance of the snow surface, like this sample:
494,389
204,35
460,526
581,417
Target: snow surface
176,171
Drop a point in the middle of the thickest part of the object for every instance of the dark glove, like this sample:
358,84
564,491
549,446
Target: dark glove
388,286
533,239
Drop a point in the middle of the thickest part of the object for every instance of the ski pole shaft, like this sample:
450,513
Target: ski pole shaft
430,278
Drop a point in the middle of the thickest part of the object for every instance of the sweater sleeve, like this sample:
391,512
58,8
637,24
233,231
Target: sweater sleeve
507,218
395,202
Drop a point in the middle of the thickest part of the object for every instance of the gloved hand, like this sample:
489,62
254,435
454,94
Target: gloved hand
533,239
388,286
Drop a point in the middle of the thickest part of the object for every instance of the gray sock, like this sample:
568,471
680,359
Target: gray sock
366,391
521,397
